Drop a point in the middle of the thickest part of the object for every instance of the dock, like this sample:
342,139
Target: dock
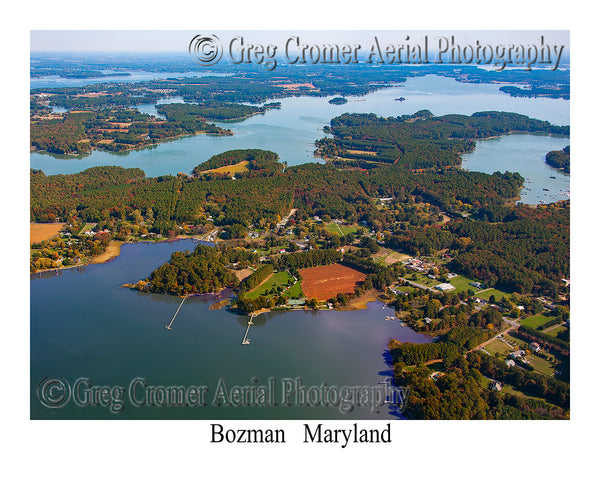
245,340
168,327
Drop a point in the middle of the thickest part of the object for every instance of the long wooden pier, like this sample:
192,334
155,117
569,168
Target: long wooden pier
245,340
168,327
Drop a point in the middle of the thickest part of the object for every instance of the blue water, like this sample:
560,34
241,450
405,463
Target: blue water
292,130
84,325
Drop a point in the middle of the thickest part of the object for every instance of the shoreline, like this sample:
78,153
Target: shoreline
115,250
132,149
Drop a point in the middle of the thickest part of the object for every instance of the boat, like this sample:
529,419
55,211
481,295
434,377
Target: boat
400,99
545,190
246,342
553,177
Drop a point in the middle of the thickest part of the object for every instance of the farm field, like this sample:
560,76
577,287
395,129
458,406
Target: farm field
39,232
327,281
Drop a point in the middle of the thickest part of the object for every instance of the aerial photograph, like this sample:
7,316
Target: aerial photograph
299,225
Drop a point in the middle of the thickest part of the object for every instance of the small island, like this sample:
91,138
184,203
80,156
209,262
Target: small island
113,130
560,159
338,101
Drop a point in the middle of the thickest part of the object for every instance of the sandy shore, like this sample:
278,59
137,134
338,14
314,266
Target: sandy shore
112,251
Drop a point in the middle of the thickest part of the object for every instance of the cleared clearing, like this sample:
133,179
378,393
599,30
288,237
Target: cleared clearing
39,232
233,169
362,152
327,281
241,274
389,257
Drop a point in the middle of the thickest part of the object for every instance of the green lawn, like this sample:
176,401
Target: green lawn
346,229
541,366
513,391
407,289
485,295
279,279
295,291
86,227
535,320
513,338
498,346
422,279
461,283
554,331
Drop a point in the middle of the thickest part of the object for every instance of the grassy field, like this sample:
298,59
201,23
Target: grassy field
279,279
422,279
541,366
513,391
535,320
554,331
407,289
522,345
345,229
498,346
485,295
461,283
232,169
295,291
86,227
388,257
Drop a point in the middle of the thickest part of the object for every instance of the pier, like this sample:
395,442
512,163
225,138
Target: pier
168,327
245,340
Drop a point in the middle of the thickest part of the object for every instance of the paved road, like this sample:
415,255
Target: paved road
418,285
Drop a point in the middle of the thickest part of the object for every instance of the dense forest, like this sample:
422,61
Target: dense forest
548,91
111,130
528,251
213,110
202,271
259,163
560,159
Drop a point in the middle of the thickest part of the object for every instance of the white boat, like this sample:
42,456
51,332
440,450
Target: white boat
246,342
